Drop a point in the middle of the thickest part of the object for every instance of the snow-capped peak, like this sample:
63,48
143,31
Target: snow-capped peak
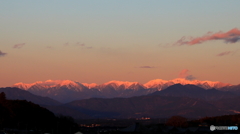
151,83
45,84
159,83
92,85
126,84
68,82
23,85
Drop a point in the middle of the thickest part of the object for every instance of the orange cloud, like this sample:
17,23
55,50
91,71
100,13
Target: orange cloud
232,36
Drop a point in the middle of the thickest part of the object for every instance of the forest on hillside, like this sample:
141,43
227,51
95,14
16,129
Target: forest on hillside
21,115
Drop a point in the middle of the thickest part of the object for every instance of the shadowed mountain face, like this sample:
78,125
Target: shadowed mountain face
52,105
65,94
193,91
228,103
234,89
18,94
146,106
184,100
67,111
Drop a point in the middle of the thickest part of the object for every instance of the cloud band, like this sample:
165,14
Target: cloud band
232,36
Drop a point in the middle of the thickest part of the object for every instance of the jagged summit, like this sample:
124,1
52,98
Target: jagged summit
125,84
157,83
47,83
91,85
23,85
68,90
161,84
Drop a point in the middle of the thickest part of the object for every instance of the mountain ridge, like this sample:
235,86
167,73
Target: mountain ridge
146,106
194,91
126,84
184,100
18,94
60,90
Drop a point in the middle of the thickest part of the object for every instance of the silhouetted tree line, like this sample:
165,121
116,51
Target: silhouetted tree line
177,121
221,120
224,120
24,115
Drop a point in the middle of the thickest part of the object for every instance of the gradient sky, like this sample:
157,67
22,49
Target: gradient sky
98,41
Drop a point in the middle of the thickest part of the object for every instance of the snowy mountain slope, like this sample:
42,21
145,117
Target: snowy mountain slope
67,90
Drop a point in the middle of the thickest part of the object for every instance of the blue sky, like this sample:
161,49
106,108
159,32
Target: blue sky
98,41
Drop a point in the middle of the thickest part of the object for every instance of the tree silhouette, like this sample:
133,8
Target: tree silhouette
25,115
2,97
177,121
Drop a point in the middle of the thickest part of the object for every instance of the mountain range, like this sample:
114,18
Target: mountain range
183,99
175,100
67,90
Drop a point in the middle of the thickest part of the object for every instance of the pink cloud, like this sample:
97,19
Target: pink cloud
2,53
18,46
183,73
232,36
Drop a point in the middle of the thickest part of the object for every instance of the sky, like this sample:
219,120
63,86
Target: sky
102,40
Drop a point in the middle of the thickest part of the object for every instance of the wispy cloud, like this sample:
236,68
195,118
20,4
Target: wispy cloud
226,53
80,44
147,67
185,74
83,46
2,53
89,47
232,36
66,44
49,47
18,46
190,77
